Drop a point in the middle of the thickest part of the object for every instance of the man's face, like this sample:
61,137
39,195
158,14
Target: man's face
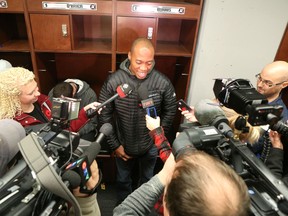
266,85
29,93
141,61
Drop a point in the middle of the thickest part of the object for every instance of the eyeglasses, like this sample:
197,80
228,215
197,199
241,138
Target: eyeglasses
267,82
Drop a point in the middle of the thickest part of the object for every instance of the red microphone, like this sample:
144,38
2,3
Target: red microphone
122,91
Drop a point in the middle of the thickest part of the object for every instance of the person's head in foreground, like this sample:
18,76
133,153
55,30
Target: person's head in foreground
204,185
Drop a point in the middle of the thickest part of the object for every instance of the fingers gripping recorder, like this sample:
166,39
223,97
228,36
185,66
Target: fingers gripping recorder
183,105
122,91
146,102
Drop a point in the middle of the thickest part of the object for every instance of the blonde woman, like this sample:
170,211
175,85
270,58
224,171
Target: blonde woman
21,100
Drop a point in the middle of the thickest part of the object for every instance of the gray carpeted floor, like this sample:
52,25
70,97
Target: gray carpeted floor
106,196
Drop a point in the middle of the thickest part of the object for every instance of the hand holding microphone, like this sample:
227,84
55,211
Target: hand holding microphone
83,165
92,181
72,180
122,91
152,123
93,106
146,102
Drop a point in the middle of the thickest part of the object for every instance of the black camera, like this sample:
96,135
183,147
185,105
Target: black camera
217,138
243,98
64,110
49,150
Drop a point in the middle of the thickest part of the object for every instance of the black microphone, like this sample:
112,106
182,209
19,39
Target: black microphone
122,91
71,179
146,102
82,165
93,150
283,206
105,130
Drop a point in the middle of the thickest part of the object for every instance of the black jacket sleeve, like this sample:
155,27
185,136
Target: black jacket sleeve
168,108
275,164
107,113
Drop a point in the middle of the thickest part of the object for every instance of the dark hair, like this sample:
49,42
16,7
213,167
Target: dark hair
204,185
64,89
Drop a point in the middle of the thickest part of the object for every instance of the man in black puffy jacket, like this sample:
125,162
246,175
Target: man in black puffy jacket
130,141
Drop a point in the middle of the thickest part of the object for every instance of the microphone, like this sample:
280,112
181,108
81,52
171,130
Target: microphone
82,165
93,150
283,206
146,102
11,132
208,112
122,91
71,179
105,130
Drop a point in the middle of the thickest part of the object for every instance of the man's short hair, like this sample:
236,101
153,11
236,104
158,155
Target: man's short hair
63,89
204,185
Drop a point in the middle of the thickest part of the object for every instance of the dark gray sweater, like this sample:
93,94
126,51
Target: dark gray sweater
142,200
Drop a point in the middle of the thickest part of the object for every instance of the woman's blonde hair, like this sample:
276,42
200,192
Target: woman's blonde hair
11,81
251,136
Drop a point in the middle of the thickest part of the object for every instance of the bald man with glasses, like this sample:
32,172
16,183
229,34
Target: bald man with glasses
271,81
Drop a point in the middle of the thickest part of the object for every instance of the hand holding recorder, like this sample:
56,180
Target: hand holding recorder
186,110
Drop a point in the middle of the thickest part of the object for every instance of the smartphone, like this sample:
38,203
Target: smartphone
183,105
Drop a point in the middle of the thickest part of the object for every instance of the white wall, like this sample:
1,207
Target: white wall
237,38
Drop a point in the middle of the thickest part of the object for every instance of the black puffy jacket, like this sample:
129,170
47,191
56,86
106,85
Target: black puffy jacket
126,114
